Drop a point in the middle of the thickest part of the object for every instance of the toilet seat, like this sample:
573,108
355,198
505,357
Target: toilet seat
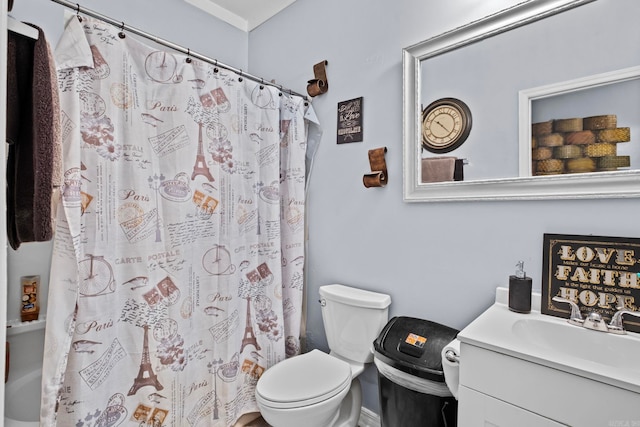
303,380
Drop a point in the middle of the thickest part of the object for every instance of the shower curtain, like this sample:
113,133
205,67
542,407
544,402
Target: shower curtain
177,270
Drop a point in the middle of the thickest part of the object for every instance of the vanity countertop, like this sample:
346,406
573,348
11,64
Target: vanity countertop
551,341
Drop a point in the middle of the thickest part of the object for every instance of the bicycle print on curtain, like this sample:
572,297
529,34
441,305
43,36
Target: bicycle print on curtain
177,271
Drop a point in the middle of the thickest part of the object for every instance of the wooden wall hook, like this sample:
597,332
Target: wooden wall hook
319,84
378,176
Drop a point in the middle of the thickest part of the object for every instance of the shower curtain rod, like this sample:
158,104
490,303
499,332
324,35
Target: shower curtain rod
189,52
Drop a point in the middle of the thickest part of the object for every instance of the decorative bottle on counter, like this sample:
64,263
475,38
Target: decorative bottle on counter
520,290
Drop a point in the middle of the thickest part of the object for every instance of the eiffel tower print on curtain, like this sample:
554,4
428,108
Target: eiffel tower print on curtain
249,337
146,376
200,167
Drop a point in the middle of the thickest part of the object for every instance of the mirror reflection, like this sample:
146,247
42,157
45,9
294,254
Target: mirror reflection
488,74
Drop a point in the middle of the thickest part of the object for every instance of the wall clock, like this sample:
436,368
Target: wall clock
446,124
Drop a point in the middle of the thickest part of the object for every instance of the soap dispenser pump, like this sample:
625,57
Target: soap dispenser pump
520,290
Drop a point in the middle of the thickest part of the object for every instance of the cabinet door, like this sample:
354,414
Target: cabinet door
480,410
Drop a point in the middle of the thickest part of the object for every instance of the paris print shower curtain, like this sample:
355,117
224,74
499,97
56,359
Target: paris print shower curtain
177,270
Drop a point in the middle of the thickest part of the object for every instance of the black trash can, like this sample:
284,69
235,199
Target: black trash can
411,384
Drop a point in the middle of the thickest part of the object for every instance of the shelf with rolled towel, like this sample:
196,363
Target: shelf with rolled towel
443,169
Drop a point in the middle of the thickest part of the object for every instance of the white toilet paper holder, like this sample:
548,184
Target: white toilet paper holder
451,356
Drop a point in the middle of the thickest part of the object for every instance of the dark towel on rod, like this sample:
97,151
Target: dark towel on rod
33,134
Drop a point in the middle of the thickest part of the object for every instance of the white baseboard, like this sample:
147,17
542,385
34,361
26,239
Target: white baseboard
368,418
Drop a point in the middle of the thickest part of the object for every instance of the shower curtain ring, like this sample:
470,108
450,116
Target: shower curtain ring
261,83
78,12
188,60
121,34
240,78
215,63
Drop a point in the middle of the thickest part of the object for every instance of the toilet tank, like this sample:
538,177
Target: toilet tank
352,319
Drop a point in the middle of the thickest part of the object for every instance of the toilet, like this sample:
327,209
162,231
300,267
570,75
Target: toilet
317,389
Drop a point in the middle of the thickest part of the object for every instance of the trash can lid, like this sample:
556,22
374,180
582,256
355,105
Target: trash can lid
414,346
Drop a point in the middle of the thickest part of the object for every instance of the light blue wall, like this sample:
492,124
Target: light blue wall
438,261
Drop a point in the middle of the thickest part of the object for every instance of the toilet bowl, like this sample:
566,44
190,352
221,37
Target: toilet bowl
317,389
305,390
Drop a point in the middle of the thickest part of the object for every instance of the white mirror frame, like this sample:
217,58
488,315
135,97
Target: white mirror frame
592,185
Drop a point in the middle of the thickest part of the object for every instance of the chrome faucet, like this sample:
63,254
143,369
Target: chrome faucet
576,317
594,320
616,326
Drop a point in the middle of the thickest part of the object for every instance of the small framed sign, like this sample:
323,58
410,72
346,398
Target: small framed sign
599,274
350,121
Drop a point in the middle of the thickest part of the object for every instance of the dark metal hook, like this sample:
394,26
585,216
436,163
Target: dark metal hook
121,34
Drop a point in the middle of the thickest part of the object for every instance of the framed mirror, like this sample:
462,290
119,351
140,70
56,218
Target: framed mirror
556,62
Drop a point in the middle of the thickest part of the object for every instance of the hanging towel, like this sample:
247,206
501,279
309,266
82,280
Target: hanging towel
34,164
438,169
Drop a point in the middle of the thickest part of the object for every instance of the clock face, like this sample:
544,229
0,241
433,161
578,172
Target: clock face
446,124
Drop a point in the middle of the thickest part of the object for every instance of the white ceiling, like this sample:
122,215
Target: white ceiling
243,14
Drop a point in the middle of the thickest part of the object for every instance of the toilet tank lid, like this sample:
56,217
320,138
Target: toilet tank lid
354,296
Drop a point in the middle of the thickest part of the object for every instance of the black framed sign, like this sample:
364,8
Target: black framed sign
597,273
350,121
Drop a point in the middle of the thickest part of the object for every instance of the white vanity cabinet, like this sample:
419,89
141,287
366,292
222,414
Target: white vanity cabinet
482,410
512,374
